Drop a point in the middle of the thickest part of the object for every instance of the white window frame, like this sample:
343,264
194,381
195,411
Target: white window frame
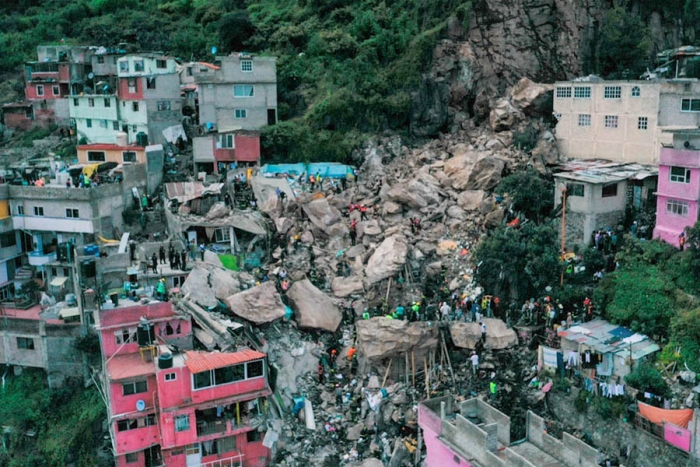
642,123
677,207
139,63
39,89
247,66
163,106
612,92
56,90
227,141
563,92
690,105
584,120
132,89
182,423
582,92
129,333
685,178
240,91
240,114
124,66
170,377
212,377
636,91
611,121
39,211
222,235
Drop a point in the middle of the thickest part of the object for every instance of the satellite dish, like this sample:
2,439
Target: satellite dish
140,405
91,75
214,50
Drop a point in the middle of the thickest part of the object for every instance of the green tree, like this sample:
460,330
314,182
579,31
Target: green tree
516,263
646,378
624,45
531,193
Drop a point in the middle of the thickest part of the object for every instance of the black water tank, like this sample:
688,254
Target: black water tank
165,361
88,269
145,335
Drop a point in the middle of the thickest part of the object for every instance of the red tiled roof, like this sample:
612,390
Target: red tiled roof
210,65
109,147
198,362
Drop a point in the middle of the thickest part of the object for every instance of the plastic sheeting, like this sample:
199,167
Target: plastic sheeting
656,415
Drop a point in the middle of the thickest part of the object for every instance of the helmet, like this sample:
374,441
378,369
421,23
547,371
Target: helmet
163,279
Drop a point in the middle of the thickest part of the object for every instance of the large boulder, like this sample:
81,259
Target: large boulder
498,336
473,170
261,304
388,259
504,115
346,286
321,214
534,99
223,283
379,338
370,227
217,211
470,200
197,287
312,308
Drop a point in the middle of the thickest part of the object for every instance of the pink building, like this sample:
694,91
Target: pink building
169,406
679,186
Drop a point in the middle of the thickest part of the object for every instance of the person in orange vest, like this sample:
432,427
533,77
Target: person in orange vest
351,353
681,240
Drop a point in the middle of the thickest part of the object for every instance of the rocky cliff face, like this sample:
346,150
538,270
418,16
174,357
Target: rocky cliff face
506,40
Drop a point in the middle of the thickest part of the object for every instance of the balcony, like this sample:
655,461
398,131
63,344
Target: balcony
39,259
233,461
228,423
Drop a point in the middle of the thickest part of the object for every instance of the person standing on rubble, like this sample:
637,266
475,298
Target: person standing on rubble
365,314
321,372
183,260
201,251
483,331
475,362
353,232
493,390
344,182
445,311
160,289
154,263
338,395
161,254
363,212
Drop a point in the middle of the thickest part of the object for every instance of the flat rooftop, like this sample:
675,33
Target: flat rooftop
130,365
34,313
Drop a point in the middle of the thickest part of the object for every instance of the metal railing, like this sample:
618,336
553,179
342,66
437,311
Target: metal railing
234,461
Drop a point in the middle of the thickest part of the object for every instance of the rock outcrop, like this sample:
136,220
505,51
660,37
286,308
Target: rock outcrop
380,338
498,336
312,308
261,304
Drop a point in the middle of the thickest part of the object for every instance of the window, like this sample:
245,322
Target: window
136,387
182,423
677,207
151,83
38,211
202,380
636,92
680,175
55,90
132,457
72,213
76,102
227,141
8,239
219,446
582,92
103,123
610,190
240,113
246,66
253,436
128,156
192,449
229,374
161,64
163,105
88,122
575,189
100,60
26,343
243,90
20,210
108,103
124,65
135,106
170,376
611,121
125,336
91,102
96,156
612,92
115,126
40,90
563,92
131,83
254,369
222,235
126,425
138,65
642,123
584,120
690,105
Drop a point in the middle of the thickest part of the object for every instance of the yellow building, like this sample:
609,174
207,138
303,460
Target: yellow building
97,153
622,121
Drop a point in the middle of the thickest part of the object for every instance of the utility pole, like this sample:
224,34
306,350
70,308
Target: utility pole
563,231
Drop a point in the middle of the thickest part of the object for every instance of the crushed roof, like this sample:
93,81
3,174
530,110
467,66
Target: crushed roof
198,362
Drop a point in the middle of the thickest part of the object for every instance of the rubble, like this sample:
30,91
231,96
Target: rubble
261,304
312,308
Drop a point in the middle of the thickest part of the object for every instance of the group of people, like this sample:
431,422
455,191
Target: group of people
605,241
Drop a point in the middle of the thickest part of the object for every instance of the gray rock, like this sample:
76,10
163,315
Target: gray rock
312,308
217,211
197,286
346,286
223,283
388,259
470,200
261,304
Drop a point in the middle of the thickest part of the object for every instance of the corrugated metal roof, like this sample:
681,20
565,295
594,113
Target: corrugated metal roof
603,172
605,337
198,362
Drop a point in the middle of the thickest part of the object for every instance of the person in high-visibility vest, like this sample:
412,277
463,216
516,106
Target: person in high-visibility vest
493,390
365,314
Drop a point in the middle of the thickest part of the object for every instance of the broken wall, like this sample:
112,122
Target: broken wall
570,451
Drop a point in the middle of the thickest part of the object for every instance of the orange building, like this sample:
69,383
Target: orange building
96,153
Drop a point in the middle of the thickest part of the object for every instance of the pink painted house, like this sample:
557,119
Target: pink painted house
679,186
170,406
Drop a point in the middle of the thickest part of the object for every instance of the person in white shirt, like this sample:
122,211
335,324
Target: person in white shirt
475,362
483,332
445,309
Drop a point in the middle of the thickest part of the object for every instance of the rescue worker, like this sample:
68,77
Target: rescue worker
365,314
161,254
160,289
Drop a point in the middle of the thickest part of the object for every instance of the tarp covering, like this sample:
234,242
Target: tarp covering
656,415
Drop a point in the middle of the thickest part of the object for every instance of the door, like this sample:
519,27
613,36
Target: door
194,455
192,236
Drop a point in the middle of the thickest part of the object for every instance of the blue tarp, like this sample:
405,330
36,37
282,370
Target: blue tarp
621,333
326,169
